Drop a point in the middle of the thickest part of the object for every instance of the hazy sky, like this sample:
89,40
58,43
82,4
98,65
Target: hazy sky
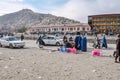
74,9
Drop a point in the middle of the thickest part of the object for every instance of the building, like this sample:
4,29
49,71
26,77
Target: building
60,28
105,22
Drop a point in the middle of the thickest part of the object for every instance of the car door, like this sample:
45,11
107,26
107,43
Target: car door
52,41
5,42
45,40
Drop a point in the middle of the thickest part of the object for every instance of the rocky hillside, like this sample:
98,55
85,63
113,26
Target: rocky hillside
28,18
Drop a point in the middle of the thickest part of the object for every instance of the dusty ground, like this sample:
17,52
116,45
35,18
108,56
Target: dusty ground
33,63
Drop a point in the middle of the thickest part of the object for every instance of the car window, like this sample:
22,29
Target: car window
45,37
12,39
50,37
3,38
57,37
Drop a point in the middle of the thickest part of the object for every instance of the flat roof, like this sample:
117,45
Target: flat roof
101,15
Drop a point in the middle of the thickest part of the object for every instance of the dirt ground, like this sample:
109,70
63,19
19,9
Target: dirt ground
32,63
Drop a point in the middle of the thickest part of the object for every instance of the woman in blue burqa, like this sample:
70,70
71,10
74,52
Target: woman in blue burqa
78,41
104,42
83,43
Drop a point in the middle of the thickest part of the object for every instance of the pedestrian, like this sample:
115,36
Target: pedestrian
22,37
40,41
78,41
65,40
104,42
70,38
117,49
96,42
83,43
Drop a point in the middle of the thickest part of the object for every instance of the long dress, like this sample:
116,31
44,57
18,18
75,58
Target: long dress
104,42
84,44
78,42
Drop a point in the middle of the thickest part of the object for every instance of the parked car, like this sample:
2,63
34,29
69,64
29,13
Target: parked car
110,33
52,40
11,42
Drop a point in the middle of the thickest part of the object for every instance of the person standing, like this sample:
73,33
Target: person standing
83,43
78,41
65,39
40,41
97,43
117,49
104,42
22,37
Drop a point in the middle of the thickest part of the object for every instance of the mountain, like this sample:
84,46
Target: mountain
28,18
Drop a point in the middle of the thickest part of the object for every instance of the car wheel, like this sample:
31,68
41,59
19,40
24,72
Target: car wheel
57,44
22,47
0,45
10,45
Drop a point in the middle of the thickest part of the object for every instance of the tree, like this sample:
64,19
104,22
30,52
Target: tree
22,29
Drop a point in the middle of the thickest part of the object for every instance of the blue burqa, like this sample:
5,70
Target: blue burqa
84,44
104,42
78,42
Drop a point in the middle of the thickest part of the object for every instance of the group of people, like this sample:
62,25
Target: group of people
100,43
79,43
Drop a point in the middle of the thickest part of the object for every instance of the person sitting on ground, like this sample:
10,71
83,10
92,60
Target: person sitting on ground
72,43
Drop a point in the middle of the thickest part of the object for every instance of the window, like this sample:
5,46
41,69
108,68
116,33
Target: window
78,28
87,28
62,29
68,28
71,29
83,29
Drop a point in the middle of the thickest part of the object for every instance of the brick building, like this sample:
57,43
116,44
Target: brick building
105,22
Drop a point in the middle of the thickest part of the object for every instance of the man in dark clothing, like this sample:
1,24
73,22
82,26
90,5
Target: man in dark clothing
117,49
22,37
40,41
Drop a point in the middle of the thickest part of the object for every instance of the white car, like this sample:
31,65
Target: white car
11,42
52,40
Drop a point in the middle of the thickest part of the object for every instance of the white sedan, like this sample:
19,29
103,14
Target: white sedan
52,40
11,42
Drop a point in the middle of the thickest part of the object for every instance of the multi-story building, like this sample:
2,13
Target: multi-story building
105,22
60,28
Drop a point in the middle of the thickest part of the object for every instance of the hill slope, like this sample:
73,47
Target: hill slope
29,18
